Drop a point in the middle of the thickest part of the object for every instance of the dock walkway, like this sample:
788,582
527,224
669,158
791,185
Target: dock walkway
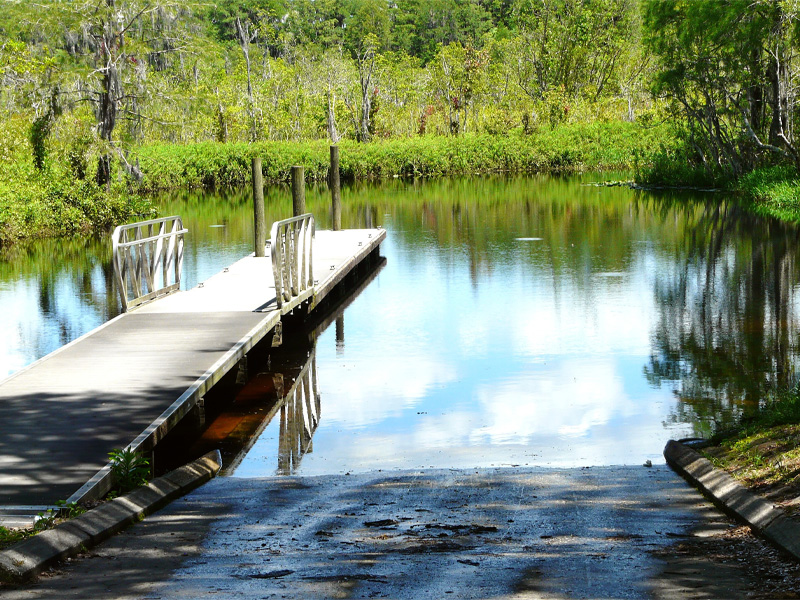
130,380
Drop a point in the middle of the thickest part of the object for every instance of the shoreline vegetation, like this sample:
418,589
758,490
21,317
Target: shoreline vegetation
593,146
105,104
763,451
54,202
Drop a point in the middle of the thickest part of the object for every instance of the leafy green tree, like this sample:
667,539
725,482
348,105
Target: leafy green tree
316,22
459,74
571,45
729,69
367,17
420,26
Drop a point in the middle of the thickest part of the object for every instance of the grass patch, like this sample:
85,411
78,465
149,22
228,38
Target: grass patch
46,520
767,460
773,191
764,451
566,148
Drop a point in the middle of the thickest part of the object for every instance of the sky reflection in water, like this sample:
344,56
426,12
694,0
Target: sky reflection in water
520,369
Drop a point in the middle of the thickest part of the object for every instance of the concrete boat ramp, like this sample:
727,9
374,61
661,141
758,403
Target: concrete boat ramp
128,382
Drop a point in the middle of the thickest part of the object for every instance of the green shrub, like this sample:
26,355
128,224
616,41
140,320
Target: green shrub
782,408
61,198
672,164
64,206
129,469
567,147
773,191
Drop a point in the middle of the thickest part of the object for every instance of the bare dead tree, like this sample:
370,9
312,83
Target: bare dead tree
365,61
246,38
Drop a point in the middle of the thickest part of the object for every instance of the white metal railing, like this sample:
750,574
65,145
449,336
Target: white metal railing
291,242
148,257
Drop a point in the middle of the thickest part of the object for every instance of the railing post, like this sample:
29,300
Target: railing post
292,260
260,229
298,191
336,192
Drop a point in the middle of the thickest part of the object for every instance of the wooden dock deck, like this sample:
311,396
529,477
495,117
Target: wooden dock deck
129,381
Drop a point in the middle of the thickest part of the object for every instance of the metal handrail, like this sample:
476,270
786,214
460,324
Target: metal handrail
148,259
291,243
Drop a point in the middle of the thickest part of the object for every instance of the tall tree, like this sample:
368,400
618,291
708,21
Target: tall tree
362,111
730,68
572,45
118,39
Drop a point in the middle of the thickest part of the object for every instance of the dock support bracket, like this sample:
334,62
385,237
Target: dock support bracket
277,335
198,412
241,372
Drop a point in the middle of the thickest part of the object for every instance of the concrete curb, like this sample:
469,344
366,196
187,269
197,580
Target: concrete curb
27,559
763,518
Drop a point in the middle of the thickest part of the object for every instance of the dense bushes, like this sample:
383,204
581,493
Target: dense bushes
570,147
672,165
774,191
57,199
56,206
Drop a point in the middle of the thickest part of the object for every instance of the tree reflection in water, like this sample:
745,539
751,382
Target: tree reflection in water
727,331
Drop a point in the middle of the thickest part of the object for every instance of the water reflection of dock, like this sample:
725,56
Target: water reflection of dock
133,379
299,417
283,395
291,399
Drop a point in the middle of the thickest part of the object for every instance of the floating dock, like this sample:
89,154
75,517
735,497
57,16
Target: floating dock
128,382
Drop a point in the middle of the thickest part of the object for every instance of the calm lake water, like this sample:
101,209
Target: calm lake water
529,320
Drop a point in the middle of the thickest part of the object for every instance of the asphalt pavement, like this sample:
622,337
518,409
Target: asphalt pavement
600,532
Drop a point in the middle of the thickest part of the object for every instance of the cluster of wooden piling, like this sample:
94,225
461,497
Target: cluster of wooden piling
298,197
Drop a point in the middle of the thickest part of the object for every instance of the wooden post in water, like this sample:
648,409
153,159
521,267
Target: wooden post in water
340,335
298,191
336,192
260,228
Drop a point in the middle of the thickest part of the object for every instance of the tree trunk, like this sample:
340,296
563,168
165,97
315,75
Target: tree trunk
366,107
107,119
366,65
243,33
104,170
332,132
775,125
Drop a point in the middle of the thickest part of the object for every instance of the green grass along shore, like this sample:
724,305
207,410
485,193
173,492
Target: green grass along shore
57,202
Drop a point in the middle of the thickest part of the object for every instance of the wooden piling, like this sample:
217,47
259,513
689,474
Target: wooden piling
339,335
336,192
260,228
298,191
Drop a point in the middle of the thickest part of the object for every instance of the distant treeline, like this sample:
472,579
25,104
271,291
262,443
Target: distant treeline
139,71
